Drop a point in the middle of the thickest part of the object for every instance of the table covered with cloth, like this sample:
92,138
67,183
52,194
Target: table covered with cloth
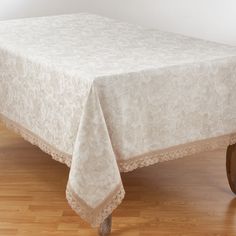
105,97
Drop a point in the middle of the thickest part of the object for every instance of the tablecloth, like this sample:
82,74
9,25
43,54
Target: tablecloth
104,97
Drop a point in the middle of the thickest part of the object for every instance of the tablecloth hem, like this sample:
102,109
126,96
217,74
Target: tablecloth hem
35,140
95,216
176,152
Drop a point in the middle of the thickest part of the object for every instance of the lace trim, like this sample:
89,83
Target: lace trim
232,140
135,162
95,216
35,140
176,152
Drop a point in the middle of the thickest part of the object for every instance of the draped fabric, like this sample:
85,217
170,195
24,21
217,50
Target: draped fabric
104,96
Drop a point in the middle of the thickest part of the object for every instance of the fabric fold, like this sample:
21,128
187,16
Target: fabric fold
94,183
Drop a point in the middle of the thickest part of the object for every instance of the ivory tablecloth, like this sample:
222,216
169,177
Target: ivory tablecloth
105,96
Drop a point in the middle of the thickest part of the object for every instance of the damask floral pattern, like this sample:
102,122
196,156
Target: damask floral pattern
105,96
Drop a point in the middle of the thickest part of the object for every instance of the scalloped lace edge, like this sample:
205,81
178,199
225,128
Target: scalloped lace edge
97,215
37,141
176,152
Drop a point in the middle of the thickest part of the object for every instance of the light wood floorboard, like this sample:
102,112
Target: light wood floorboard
188,196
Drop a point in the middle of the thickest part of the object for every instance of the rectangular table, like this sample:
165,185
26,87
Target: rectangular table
105,97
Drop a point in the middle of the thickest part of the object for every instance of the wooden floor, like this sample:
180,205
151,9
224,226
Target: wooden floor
189,196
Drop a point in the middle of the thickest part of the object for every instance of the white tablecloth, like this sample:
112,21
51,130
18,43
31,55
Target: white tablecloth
105,96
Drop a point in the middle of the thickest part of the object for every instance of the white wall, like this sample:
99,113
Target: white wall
28,8
209,19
